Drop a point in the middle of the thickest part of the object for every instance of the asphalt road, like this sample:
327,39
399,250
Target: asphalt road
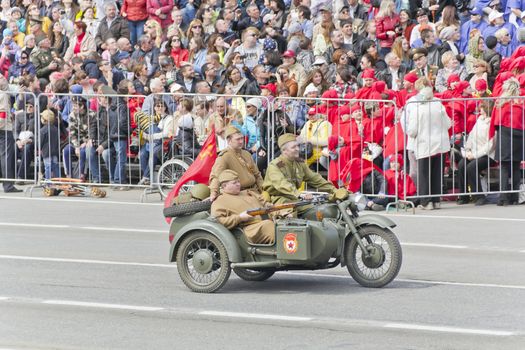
94,274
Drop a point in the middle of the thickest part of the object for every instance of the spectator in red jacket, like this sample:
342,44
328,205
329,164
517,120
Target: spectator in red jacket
387,25
135,11
160,11
177,51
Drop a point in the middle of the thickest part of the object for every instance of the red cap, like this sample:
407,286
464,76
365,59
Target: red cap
379,86
411,78
453,78
330,94
289,53
462,86
271,87
396,158
519,64
369,74
343,110
314,111
481,85
520,51
349,95
505,64
356,107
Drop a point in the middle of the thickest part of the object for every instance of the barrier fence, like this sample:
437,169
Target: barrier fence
425,151
18,138
469,149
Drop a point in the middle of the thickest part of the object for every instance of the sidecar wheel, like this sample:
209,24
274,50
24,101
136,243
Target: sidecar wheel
384,263
253,275
203,263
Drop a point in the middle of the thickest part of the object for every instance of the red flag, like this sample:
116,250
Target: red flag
199,171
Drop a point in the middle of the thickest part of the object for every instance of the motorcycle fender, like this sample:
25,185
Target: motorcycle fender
216,229
374,219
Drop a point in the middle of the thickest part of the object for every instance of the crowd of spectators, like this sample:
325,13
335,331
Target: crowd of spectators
144,56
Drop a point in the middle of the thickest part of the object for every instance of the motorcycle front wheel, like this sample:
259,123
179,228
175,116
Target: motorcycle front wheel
383,262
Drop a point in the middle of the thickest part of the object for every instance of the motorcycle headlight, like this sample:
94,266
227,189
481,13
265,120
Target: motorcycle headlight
360,201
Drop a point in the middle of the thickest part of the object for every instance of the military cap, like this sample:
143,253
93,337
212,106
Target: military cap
200,191
230,130
228,175
418,53
284,139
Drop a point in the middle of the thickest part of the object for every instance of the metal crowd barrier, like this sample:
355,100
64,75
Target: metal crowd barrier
18,138
148,142
88,138
464,162
192,122
347,141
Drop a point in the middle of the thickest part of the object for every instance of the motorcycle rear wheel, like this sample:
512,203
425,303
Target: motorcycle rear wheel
384,263
253,275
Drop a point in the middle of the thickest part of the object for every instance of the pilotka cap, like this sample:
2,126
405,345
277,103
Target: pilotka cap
284,139
228,175
230,130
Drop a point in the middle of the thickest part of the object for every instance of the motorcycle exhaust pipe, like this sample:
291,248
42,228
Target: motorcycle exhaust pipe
256,264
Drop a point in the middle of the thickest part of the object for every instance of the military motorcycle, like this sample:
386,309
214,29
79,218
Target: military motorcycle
326,235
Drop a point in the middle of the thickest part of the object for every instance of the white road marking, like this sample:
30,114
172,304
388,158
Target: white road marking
474,218
120,229
80,201
347,277
17,224
257,316
462,284
102,305
285,318
420,327
91,228
432,245
83,261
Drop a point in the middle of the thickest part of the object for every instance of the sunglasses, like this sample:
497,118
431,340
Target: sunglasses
196,27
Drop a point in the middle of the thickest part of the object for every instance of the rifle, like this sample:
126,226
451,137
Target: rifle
264,211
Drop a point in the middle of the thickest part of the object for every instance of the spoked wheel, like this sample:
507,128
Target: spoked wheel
202,262
253,275
384,261
169,173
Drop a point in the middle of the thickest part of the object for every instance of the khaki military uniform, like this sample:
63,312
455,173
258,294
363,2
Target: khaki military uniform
243,164
431,72
227,207
41,60
284,178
